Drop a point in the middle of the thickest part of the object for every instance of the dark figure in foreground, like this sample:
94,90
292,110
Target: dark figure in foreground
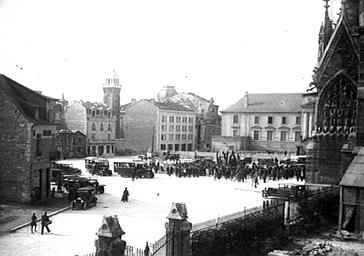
125,195
33,223
146,250
45,222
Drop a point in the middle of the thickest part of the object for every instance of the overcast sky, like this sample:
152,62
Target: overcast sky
214,48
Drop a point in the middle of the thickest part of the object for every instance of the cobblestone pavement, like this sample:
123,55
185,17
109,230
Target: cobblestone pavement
142,218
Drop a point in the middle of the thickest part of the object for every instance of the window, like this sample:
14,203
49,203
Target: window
190,128
105,113
171,128
184,128
163,136
284,120
101,127
107,149
256,120
176,147
269,135
190,136
178,136
184,119
93,113
298,120
255,135
283,136
178,119
270,119
109,114
93,127
235,119
171,136
190,120
178,128
189,147
164,119
108,136
235,132
163,146
97,112
170,146
171,119
184,136
93,136
109,127
47,133
297,136
164,128
183,147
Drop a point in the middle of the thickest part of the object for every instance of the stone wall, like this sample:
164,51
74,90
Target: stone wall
15,157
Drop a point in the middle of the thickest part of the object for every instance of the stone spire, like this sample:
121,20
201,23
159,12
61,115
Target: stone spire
326,31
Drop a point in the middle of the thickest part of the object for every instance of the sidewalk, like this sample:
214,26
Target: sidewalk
14,215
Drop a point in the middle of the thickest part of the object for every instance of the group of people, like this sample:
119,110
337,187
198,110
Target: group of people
241,171
44,221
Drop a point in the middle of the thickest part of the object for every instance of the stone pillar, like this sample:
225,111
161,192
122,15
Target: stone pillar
109,242
178,231
310,124
305,126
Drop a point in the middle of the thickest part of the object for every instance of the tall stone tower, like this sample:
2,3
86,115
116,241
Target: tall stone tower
112,89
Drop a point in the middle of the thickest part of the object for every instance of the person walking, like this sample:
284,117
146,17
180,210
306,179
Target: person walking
125,196
146,250
33,223
45,221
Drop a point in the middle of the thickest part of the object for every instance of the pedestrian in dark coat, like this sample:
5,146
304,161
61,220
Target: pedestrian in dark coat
146,250
45,221
33,223
125,196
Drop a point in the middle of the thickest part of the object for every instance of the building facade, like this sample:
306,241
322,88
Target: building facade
97,122
208,121
28,123
71,144
153,126
262,122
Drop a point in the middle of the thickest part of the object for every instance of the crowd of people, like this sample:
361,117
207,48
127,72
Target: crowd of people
233,168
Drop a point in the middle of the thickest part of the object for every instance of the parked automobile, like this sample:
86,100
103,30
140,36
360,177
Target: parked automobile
97,166
85,198
75,181
66,169
133,169
285,190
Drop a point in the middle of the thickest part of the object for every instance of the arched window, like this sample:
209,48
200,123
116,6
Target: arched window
235,119
109,127
101,127
93,127
109,114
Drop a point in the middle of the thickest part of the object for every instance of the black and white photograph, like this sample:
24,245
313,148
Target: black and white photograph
181,128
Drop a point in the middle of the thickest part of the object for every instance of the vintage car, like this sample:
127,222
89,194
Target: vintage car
64,169
133,169
97,166
85,198
73,182
286,191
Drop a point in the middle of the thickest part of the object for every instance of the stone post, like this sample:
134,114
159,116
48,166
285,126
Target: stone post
109,242
178,231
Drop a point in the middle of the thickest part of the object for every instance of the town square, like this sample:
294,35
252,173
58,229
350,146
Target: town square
182,128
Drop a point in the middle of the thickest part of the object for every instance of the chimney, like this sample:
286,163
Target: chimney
133,100
246,100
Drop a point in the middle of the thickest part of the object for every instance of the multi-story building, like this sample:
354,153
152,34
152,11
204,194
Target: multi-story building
208,121
28,123
159,126
97,122
71,144
262,122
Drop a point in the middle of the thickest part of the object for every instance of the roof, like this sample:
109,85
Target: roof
26,100
354,175
170,106
95,105
268,103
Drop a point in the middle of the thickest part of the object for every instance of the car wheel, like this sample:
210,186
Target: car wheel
264,194
101,190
